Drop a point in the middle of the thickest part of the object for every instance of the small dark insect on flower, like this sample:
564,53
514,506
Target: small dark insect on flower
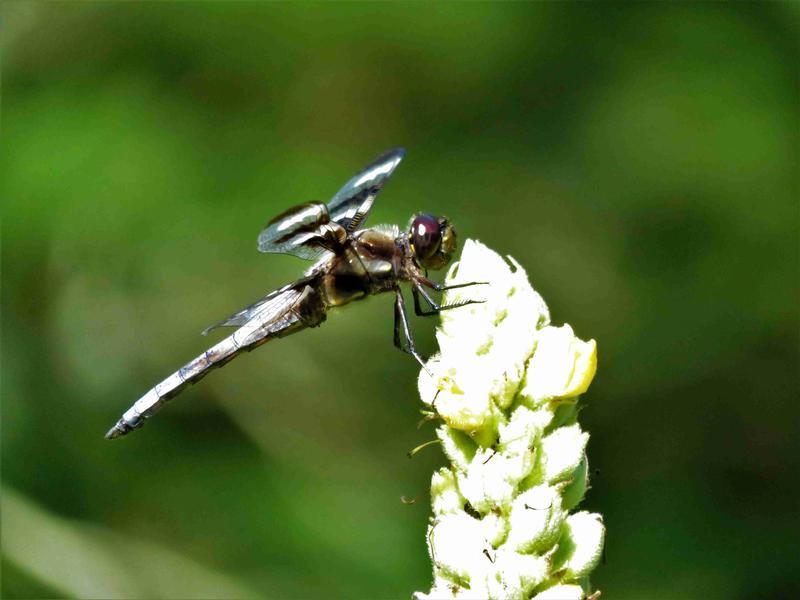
471,511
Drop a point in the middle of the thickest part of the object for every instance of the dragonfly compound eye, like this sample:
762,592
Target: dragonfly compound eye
426,236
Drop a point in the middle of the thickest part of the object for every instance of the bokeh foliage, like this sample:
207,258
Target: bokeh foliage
640,160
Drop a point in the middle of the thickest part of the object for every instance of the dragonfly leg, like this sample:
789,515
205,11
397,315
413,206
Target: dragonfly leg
435,285
402,331
435,308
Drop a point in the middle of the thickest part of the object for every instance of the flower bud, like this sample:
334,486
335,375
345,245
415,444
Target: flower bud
536,519
581,545
562,452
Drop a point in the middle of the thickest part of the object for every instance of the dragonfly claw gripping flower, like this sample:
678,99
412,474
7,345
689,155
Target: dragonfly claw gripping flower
506,384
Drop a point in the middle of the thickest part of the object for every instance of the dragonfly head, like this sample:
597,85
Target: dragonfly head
432,241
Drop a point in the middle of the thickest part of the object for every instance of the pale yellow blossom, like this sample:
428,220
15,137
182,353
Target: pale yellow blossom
503,378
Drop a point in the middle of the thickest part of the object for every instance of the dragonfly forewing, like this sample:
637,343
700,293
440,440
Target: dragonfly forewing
350,206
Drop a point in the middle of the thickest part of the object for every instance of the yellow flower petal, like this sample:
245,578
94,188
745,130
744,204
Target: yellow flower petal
562,365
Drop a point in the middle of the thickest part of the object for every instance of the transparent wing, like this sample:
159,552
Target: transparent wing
271,306
300,230
351,204
296,231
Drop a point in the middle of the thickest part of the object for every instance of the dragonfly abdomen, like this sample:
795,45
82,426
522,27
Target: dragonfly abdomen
251,335
173,385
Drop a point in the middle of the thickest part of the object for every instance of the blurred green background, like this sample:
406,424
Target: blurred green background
639,160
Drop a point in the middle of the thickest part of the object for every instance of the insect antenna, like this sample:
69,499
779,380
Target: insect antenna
428,416
414,451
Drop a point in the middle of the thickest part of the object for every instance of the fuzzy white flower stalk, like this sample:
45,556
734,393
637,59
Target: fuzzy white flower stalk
506,384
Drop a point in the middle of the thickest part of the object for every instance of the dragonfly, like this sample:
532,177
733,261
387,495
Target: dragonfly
350,263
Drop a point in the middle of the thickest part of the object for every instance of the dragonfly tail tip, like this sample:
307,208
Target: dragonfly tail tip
116,431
